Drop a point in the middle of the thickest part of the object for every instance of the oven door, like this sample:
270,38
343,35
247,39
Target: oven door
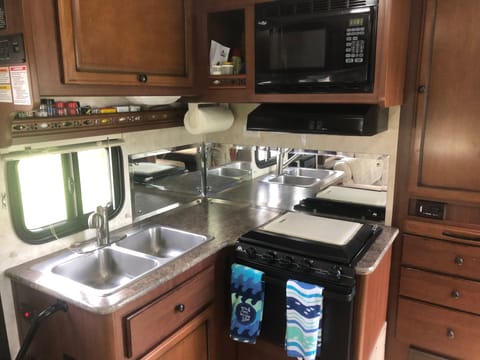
338,304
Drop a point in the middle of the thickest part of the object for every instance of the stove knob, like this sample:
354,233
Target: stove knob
336,271
270,256
286,261
306,265
251,252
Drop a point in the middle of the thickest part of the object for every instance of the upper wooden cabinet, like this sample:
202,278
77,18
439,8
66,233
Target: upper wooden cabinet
445,145
110,47
239,32
116,42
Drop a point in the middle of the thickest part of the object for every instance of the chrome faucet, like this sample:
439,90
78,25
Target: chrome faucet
99,221
281,163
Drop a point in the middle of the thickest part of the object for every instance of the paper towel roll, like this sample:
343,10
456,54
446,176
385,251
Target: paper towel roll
205,119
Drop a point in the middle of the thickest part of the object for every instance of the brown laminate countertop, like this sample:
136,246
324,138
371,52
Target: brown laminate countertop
224,220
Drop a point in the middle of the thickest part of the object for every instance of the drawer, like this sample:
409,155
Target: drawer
448,332
442,256
443,290
152,323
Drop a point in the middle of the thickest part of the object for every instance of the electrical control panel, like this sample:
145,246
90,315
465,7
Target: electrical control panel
12,50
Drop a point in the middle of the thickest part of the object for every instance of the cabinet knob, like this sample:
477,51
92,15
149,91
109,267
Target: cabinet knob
455,294
459,260
450,334
179,308
143,78
422,89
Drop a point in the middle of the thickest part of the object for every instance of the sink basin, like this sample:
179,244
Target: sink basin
230,172
162,241
105,269
306,177
315,173
294,180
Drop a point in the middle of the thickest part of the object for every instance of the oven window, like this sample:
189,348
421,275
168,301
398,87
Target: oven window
52,195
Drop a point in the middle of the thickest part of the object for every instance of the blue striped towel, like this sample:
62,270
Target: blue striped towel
303,336
247,292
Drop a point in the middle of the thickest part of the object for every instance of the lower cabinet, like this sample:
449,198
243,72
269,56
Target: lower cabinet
439,305
177,320
191,342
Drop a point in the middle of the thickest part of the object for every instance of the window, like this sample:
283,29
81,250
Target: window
52,195
265,156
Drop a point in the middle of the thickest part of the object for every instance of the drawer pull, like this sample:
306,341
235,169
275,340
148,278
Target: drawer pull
461,236
450,334
179,308
455,294
459,260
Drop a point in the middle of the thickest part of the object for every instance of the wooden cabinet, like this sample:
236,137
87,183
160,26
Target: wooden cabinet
389,69
446,161
178,320
125,43
434,300
192,342
439,296
152,322
102,48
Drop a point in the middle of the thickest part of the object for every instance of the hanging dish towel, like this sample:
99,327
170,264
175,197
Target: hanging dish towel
303,336
247,291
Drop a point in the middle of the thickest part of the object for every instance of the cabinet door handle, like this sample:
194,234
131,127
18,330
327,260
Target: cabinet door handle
455,294
143,78
461,236
459,260
180,308
450,334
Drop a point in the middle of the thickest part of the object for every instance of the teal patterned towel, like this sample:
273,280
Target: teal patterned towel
247,303
303,336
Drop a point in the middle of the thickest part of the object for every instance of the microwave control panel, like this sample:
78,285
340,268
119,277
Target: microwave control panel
12,50
355,44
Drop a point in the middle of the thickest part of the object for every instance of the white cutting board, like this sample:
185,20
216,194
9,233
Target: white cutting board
354,195
304,226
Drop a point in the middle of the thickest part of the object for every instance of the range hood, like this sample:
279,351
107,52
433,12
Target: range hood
335,119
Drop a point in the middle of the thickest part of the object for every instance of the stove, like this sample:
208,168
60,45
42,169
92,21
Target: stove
313,249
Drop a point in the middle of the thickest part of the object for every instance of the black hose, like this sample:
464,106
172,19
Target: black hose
50,310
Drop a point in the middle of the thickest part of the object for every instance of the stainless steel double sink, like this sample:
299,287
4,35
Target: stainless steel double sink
106,270
306,177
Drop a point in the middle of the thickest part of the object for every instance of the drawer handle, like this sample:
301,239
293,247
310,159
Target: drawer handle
179,308
450,334
461,236
455,294
459,260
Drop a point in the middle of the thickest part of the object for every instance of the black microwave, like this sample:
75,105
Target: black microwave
315,46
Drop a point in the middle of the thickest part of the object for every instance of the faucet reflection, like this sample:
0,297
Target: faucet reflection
281,163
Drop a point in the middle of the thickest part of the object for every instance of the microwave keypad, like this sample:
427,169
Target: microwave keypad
354,45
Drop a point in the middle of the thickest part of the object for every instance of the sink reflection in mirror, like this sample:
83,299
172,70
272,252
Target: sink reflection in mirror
172,177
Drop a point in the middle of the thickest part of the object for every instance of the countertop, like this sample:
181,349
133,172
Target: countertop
224,219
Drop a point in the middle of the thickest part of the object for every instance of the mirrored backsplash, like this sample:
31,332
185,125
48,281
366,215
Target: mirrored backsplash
171,177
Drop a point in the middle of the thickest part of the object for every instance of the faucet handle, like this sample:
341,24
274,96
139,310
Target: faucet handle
95,220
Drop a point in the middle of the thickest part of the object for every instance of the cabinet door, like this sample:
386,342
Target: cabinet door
191,342
446,149
121,42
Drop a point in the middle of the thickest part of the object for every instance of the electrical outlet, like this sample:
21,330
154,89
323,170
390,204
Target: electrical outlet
430,209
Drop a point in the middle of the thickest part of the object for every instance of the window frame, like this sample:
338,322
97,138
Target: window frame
76,221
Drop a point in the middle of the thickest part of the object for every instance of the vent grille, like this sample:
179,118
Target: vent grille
294,7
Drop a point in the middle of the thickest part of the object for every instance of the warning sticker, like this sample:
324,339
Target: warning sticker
4,75
6,93
20,88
